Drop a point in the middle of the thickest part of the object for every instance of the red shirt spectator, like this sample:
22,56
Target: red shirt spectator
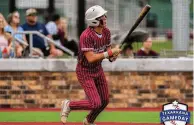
146,50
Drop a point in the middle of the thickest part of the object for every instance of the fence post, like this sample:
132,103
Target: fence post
31,44
180,10
14,48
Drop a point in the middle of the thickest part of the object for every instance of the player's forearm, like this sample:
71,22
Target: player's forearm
95,58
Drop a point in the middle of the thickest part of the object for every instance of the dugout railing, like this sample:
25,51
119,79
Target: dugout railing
31,49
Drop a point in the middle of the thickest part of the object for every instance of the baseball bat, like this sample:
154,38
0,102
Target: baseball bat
142,14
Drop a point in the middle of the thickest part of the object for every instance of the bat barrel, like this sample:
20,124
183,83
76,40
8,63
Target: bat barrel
148,6
143,13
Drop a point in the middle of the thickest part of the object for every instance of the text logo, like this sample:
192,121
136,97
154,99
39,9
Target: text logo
175,113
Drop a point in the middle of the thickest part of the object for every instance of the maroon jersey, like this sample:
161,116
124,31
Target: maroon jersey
142,54
91,41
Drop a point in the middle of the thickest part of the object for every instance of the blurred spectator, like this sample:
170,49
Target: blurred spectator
52,27
63,26
169,34
38,42
13,21
57,28
4,22
5,38
146,50
62,32
128,52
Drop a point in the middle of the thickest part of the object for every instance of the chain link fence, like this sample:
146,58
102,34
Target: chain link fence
121,16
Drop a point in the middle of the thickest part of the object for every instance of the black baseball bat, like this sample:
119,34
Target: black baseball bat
141,16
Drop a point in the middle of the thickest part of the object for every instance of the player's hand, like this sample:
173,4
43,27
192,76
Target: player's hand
116,51
112,52
114,57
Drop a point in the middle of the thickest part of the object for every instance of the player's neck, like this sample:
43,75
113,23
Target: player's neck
98,30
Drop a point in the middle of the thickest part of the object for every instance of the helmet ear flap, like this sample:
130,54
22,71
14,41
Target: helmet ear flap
93,22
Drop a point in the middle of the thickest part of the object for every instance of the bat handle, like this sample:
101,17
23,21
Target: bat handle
122,46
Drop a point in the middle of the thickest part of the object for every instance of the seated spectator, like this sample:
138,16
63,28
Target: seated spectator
5,38
128,52
146,51
62,32
33,25
52,27
12,27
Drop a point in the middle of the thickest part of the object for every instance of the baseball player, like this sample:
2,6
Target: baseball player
94,46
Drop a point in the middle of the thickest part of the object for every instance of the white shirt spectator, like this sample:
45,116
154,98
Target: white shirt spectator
52,29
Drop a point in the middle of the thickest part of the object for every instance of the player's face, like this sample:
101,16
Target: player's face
103,21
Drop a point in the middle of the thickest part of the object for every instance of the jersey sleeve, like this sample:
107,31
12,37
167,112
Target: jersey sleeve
86,43
108,38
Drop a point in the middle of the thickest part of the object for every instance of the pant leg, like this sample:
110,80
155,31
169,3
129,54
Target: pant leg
102,88
91,91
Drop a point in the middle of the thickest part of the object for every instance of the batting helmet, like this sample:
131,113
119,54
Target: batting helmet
93,13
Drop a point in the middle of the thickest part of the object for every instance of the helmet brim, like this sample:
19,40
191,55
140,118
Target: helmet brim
98,15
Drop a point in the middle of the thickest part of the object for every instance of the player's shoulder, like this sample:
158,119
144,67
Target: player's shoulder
86,33
106,30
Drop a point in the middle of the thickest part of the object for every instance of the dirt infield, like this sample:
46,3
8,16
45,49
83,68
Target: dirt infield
107,109
57,123
56,109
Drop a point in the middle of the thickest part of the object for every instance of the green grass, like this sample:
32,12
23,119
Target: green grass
141,117
65,55
156,45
